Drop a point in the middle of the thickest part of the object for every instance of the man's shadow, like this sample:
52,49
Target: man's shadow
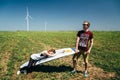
49,68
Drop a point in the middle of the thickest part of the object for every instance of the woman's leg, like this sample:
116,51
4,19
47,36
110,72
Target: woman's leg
31,61
30,64
35,61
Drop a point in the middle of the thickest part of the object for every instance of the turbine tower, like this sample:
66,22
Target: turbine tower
27,19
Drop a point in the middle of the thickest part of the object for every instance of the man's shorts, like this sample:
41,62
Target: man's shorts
83,53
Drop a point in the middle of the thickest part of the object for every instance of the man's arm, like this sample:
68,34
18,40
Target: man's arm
77,42
91,44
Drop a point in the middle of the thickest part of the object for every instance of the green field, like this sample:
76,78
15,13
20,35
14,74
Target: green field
16,48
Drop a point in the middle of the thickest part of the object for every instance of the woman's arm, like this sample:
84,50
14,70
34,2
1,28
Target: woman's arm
50,54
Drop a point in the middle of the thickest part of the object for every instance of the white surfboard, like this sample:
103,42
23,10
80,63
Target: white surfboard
59,53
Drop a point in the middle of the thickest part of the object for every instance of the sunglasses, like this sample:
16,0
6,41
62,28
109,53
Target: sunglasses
85,24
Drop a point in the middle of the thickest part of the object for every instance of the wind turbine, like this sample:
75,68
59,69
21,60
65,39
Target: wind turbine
27,19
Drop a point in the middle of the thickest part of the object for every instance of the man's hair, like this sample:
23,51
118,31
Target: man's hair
87,24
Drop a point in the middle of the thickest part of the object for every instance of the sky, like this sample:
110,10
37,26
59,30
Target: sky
60,15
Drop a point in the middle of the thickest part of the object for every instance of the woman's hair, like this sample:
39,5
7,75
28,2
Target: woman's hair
52,50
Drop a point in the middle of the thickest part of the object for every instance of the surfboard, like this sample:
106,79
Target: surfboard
59,53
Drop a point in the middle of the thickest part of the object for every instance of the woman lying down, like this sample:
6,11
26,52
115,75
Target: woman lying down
36,57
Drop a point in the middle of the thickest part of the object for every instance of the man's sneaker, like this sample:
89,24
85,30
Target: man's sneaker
73,71
18,72
85,74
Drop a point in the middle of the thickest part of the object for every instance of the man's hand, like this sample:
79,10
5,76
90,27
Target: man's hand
91,44
88,52
76,50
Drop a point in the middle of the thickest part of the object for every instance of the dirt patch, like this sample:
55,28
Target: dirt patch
95,73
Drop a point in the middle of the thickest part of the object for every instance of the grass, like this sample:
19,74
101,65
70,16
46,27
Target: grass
16,48
106,53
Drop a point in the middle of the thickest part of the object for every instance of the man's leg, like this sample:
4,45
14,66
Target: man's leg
75,59
85,56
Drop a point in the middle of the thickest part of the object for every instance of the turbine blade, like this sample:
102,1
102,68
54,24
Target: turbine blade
30,17
26,18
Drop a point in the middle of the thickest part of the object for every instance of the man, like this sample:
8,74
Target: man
83,38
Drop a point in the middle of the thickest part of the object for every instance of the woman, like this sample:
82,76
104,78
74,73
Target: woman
36,57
